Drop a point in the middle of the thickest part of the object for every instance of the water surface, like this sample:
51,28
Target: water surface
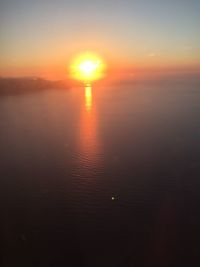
101,175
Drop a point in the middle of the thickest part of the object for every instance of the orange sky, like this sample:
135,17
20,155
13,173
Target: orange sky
40,39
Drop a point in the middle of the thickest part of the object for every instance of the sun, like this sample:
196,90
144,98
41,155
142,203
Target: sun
87,67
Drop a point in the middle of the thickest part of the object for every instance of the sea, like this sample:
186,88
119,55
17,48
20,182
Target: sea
101,175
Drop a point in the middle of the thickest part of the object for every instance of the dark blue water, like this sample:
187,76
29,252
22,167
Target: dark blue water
101,176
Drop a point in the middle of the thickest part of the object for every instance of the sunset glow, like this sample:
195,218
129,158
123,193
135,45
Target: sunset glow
87,67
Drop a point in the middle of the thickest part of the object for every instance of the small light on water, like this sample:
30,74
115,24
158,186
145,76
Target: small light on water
113,198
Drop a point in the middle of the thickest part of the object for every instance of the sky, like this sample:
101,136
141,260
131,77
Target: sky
40,37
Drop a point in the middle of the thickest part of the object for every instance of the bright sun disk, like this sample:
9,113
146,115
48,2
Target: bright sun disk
87,67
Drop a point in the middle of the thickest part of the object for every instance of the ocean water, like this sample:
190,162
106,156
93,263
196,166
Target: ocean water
101,175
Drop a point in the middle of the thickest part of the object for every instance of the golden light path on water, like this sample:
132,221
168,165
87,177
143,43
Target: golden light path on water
88,97
89,152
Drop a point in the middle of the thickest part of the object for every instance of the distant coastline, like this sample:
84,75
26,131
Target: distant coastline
21,85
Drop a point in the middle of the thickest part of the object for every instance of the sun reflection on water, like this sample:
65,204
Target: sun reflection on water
88,97
88,135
